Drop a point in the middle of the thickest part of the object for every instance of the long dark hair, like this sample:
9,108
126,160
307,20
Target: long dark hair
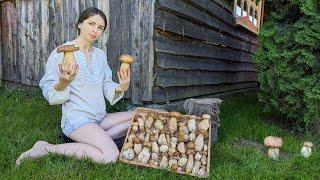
91,11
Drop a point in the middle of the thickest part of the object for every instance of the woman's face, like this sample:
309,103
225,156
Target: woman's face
92,28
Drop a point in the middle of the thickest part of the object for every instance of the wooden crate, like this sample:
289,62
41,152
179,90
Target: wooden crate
166,114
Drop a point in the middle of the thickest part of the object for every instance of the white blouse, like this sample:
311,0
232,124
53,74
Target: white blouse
84,97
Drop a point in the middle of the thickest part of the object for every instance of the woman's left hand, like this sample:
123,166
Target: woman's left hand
124,81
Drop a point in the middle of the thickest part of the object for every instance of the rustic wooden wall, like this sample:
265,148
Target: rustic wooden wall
31,29
199,50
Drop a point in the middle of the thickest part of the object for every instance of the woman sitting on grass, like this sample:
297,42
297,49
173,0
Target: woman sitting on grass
81,89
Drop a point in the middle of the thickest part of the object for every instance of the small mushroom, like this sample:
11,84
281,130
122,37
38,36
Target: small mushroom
190,145
192,137
136,140
130,137
190,151
204,124
181,148
172,151
199,142
184,129
202,172
128,154
149,122
137,148
196,167
155,156
155,147
172,161
141,136
164,148
168,138
205,147
175,114
173,142
197,157
164,162
162,140
183,161
189,165
192,125
144,155
134,127
153,138
203,160
206,116
153,162
140,123
274,143
306,149
159,124
127,145
172,124
182,136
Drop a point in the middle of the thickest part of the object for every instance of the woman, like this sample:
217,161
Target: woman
81,89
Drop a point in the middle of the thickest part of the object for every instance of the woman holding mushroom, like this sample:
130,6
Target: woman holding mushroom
80,80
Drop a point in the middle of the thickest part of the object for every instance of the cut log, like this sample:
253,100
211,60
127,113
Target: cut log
206,106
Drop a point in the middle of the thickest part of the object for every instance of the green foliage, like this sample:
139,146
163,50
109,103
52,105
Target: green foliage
288,59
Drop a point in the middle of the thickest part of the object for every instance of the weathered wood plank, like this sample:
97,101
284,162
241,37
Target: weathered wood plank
170,22
102,43
172,77
73,10
44,36
1,60
7,9
147,48
213,10
180,8
166,43
169,61
174,93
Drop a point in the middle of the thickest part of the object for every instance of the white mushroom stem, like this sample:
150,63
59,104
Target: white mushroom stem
306,151
273,153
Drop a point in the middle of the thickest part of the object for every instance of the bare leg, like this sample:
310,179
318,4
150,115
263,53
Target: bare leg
93,142
114,119
118,130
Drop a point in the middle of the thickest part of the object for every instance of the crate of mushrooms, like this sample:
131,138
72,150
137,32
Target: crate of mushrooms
170,141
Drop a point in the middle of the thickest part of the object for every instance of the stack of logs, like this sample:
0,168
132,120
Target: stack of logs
169,140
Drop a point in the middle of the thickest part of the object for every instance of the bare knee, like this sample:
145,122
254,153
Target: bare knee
110,157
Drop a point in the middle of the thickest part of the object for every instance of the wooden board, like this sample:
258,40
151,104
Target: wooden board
165,114
174,93
170,61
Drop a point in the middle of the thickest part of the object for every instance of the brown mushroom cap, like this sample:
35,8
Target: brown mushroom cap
67,48
175,114
206,116
308,144
125,58
273,141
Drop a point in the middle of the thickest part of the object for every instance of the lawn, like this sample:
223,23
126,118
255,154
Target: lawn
239,154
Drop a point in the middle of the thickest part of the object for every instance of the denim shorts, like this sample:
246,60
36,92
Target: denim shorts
69,127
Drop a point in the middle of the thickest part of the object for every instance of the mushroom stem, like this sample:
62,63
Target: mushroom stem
306,151
273,153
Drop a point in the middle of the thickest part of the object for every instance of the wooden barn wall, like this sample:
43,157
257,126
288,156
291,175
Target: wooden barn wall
200,51
31,29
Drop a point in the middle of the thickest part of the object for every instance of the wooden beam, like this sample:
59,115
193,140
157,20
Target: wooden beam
176,93
187,11
173,77
166,43
169,61
172,23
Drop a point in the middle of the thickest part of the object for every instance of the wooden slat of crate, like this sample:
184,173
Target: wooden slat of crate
163,113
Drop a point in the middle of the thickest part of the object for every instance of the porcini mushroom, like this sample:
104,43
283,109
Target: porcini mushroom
192,125
144,155
137,148
172,124
149,122
164,162
128,154
204,124
68,58
155,147
159,124
199,142
306,149
189,165
274,143
181,148
162,140
126,61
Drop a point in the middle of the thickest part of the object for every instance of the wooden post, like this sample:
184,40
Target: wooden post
206,106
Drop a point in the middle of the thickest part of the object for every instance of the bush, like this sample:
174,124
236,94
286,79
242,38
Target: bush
288,60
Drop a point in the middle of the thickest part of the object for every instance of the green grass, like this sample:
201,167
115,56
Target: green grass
27,117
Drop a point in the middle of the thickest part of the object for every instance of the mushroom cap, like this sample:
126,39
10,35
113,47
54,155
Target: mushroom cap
67,48
206,116
125,58
273,141
175,114
308,144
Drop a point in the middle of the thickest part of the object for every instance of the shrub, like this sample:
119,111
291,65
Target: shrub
288,60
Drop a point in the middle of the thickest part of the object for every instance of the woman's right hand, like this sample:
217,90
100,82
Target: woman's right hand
66,76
